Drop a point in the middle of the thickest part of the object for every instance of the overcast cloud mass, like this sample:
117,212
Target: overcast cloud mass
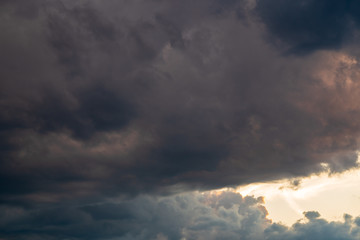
109,108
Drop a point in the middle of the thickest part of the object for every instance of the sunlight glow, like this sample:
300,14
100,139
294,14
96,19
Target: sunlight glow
330,195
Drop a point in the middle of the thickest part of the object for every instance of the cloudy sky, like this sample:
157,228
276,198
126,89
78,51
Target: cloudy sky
179,119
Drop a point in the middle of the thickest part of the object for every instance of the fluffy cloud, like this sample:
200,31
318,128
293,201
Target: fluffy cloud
221,215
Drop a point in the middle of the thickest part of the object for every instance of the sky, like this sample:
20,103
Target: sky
331,196
179,120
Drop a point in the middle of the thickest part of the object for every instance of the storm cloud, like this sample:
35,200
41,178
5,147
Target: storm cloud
310,25
101,99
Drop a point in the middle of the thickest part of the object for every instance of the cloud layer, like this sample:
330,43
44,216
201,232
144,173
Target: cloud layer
125,97
225,215
138,100
112,111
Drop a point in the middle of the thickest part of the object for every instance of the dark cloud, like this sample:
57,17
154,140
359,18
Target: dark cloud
311,215
100,99
98,110
306,26
225,215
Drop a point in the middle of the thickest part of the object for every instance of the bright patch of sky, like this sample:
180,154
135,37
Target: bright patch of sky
330,195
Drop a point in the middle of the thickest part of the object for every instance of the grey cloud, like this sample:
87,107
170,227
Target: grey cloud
225,215
307,26
99,110
119,97
311,215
